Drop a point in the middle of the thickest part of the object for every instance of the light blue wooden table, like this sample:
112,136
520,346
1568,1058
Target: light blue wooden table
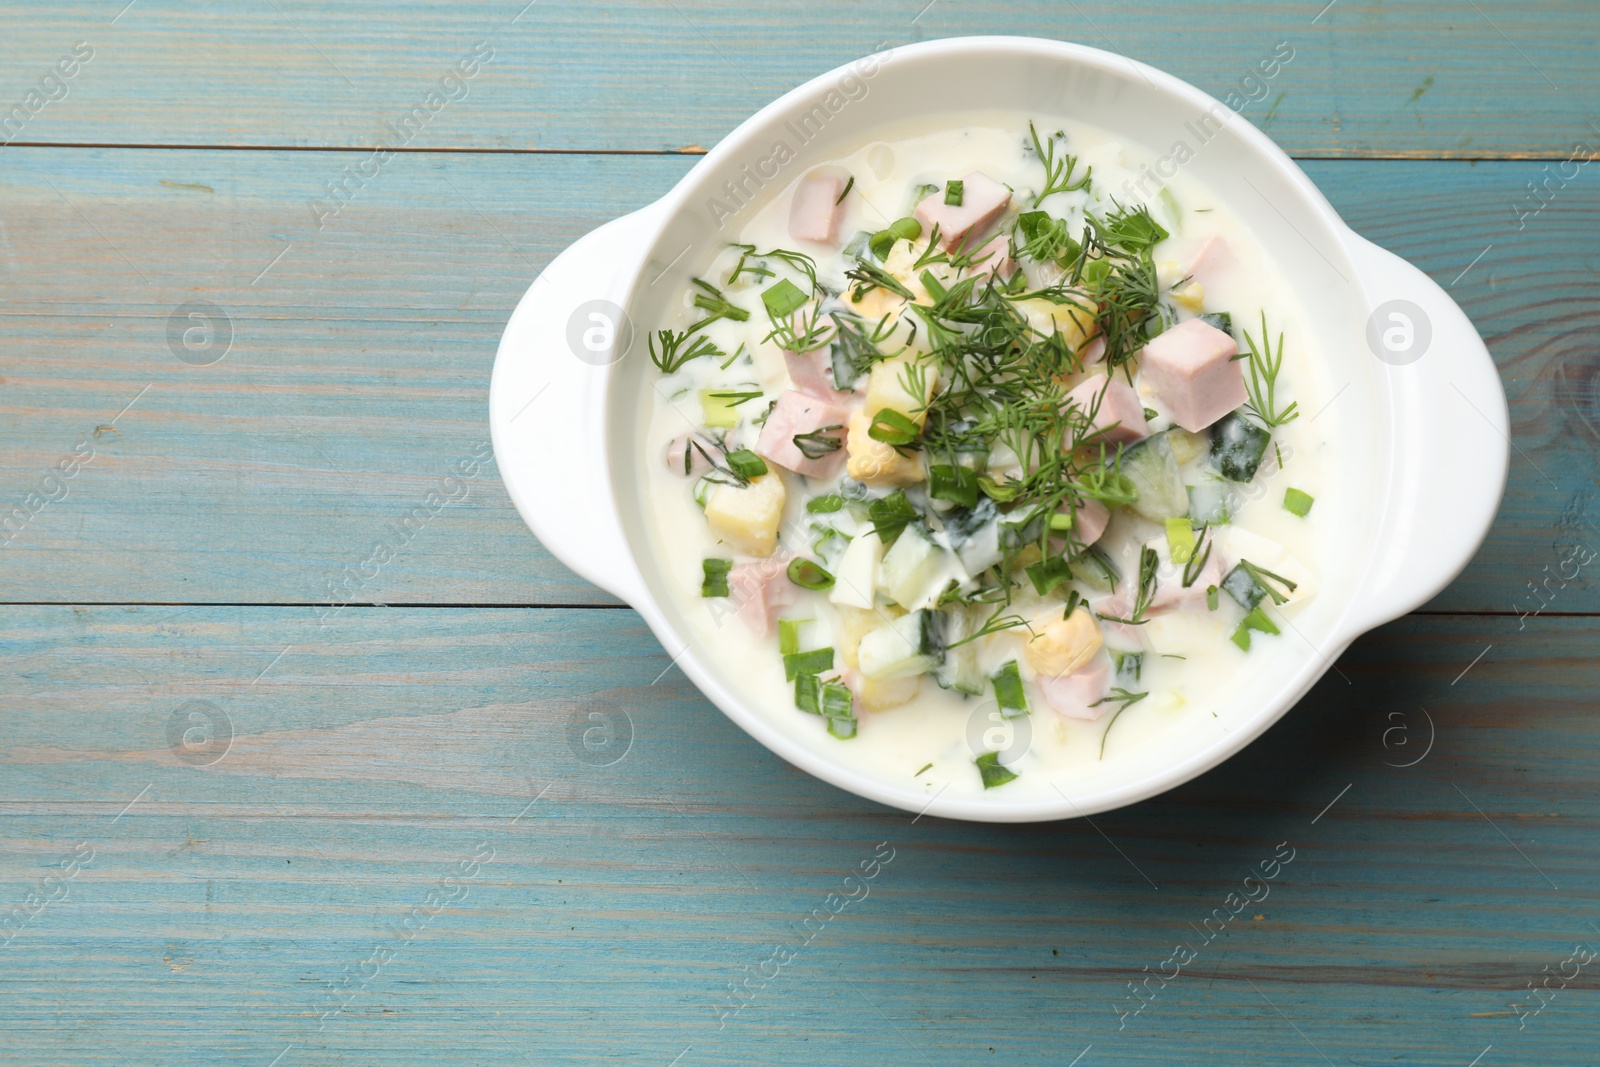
239,828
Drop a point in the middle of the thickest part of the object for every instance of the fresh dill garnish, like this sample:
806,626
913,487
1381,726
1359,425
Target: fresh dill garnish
677,349
1197,559
710,299
1116,696
849,185
1262,381
1057,173
759,270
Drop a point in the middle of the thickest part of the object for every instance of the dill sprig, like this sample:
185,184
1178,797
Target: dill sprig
677,349
1057,173
711,299
1262,381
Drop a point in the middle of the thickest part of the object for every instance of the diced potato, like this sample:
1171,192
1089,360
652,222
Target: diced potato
1076,324
887,387
1191,296
1187,446
1060,646
747,517
854,624
875,462
888,693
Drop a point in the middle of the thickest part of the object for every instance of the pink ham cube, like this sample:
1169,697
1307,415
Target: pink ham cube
1118,606
800,413
691,454
815,212
1090,522
983,200
812,373
1075,695
994,259
1118,414
760,591
1170,594
1191,370
1210,261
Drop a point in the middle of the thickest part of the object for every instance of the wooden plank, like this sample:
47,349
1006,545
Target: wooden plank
359,364
605,921
1428,78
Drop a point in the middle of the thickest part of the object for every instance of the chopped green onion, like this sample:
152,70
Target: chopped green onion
890,514
814,662
906,229
789,635
715,581
1000,494
808,693
935,288
746,464
820,442
1211,598
957,484
1297,502
1256,620
1049,573
892,428
1180,540
820,505
783,298
1008,692
808,575
954,191
993,772
838,708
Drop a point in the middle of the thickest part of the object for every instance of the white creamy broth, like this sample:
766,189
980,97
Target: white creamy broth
1190,665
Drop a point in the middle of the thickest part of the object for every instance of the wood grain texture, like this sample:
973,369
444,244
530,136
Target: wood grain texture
358,372
385,749
1431,78
295,890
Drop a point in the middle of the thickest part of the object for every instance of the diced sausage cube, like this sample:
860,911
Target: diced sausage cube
815,212
1191,370
994,258
1210,261
760,591
798,413
1078,695
983,200
812,372
1118,413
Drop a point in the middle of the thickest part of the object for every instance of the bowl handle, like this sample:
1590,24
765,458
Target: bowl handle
1452,442
547,401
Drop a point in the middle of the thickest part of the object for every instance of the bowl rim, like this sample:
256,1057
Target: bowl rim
652,224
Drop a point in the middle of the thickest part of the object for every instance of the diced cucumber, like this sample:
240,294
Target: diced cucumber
913,565
911,644
1237,445
1153,469
1208,503
855,576
975,535
1242,586
1095,569
1129,666
1219,320
960,670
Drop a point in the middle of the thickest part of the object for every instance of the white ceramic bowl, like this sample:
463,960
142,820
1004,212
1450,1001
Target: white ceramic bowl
1423,442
